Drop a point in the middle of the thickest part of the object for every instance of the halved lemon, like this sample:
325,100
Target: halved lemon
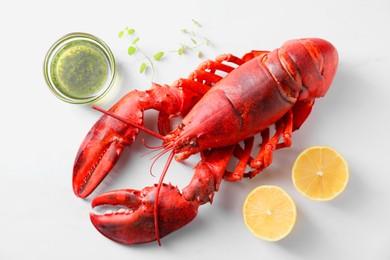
320,173
269,212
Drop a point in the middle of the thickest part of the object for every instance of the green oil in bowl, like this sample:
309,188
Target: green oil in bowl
79,68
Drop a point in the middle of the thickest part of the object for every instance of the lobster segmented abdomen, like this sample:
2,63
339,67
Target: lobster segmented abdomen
316,61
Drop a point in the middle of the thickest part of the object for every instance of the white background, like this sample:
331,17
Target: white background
41,218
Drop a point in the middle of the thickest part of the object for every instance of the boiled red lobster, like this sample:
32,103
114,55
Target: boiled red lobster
223,105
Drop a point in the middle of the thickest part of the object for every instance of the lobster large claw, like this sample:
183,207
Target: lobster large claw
133,223
104,144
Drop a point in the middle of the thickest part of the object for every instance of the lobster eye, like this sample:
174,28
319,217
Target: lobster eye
181,126
192,142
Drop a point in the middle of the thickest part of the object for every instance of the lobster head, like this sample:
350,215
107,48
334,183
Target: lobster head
315,63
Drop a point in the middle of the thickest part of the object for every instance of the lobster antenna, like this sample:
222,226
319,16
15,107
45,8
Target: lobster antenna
160,182
155,158
124,120
151,146
154,149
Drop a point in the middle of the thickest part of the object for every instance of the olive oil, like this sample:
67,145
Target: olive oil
80,69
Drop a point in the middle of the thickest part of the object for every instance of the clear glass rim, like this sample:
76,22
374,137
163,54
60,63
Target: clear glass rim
68,38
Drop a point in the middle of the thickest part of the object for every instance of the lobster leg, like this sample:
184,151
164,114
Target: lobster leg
283,128
301,110
206,71
230,58
288,129
244,155
253,54
264,157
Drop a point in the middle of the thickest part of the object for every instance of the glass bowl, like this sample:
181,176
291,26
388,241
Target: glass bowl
79,68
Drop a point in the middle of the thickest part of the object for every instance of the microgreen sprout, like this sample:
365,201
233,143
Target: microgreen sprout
194,40
134,48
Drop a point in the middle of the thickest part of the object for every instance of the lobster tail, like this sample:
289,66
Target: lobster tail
316,61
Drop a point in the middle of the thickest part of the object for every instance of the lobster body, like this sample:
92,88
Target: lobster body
264,89
245,102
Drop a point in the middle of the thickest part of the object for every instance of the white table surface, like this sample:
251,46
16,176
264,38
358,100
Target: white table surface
40,216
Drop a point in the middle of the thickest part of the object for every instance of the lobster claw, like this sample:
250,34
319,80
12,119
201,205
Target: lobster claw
104,144
134,222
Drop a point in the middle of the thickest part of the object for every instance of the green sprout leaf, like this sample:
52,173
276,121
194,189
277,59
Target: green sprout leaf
130,31
196,23
207,41
120,34
158,55
181,51
135,41
143,67
131,50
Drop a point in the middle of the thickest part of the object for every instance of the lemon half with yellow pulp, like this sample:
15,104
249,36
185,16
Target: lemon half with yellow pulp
320,173
269,212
